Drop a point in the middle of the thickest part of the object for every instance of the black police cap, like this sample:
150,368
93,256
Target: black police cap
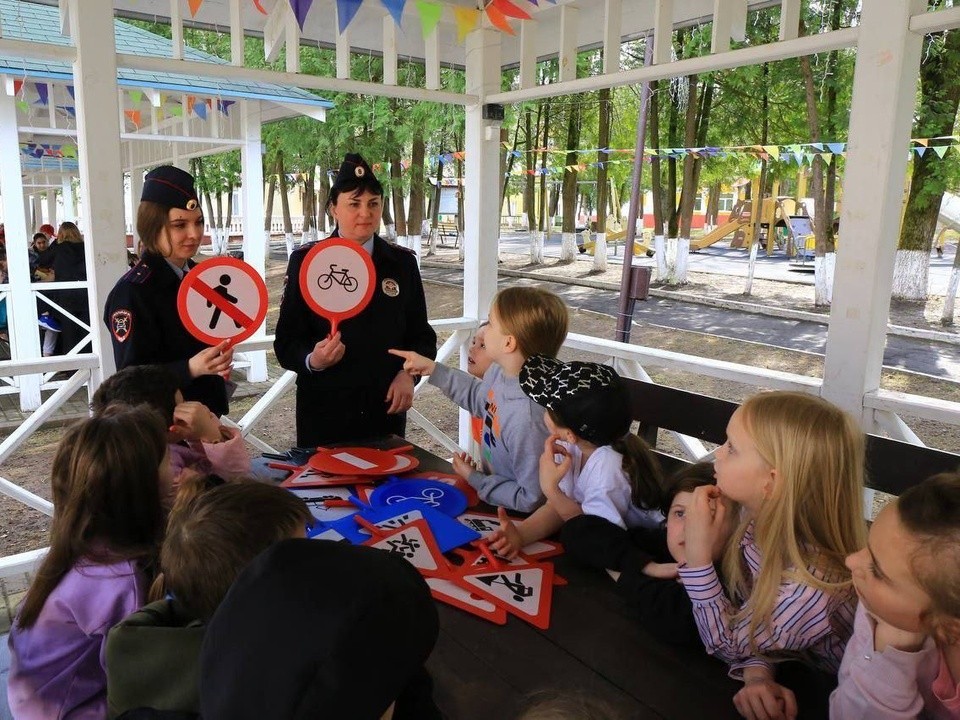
171,187
353,168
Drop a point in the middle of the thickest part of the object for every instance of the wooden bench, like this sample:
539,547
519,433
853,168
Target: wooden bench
448,230
892,465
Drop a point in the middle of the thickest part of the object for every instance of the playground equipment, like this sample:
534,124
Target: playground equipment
616,239
775,213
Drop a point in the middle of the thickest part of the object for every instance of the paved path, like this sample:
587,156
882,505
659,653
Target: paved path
931,358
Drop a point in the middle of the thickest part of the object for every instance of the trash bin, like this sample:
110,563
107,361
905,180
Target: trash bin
640,282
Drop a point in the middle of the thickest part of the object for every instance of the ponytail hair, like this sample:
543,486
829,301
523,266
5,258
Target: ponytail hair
643,471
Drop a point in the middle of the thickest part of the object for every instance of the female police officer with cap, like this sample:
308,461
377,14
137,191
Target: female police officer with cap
348,386
141,310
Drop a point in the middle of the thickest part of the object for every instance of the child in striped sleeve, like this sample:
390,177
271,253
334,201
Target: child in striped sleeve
795,464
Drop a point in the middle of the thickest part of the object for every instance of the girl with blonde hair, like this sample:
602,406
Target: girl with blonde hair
795,465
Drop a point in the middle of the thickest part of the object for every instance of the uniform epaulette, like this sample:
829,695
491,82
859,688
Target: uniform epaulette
138,274
404,248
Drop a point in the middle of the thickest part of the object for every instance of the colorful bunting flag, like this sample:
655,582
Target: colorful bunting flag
134,117
17,86
511,10
498,19
346,11
395,8
224,106
42,93
194,6
23,106
837,148
69,151
300,9
70,109
176,110
259,7
467,21
70,90
940,150
430,13
200,109
136,97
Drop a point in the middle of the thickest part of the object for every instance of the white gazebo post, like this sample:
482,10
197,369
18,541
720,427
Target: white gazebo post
51,208
24,333
101,173
136,190
254,238
36,212
69,204
481,196
881,116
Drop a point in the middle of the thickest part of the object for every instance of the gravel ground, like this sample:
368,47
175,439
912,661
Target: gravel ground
23,529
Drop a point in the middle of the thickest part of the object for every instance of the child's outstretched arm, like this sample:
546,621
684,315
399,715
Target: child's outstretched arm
513,536
414,363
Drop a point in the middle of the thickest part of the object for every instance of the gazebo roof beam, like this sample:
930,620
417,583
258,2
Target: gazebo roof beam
312,82
936,20
806,45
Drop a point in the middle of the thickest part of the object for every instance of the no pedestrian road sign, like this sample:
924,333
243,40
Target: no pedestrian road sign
222,299
337,280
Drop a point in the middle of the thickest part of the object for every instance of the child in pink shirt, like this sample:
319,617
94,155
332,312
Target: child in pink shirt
904,657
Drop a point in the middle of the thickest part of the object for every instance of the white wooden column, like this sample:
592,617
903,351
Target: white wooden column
36,213
101,171
482,186
51,208
254,238
69,202
136,190
22,325
881,115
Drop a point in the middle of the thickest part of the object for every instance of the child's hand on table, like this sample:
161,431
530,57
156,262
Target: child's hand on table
463,465
506,541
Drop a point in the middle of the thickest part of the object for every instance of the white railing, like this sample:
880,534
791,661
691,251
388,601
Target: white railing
631,360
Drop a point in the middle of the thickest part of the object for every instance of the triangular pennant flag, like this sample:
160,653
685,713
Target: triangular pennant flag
68,109
23,106
176,110
136,97
70,90
194,6
17,86
511,10
200,110
922,141
346,11
836,148
523,591
499,19
940,150
42,93
773,151
300,9
817,146
224,106
69,151
191,101
259,7
920,151
430,13
827,157
134,117
395,8
467,21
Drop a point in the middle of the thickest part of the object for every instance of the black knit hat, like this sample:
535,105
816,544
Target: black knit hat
588,398
171,187
313,628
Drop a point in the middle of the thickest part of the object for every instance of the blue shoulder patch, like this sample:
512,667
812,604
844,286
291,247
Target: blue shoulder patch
138,274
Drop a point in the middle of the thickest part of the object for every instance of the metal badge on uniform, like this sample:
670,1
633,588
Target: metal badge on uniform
121,324
390,287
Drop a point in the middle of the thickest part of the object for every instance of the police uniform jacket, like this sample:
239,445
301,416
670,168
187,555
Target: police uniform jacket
346,401
141,314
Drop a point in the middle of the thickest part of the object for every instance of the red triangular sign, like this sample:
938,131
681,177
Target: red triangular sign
523,591
452,593
415,544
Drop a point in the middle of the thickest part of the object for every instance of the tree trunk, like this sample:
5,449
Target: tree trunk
603,140
530,160
939,98
417,152
323,195
568,244
656,183
285,205
435,206
713,206
946,317
688,190
268,210
396,191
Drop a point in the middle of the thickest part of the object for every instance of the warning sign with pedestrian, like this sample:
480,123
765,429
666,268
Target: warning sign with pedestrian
222,299
337,280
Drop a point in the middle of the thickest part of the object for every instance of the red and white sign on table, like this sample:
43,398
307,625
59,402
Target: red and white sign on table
337,280
222,299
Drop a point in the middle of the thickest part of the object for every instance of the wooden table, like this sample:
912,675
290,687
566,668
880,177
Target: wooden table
484,671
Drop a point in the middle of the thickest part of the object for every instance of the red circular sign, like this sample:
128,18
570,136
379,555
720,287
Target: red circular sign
222,299
337,280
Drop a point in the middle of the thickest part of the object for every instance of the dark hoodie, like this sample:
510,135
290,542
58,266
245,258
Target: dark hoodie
317,629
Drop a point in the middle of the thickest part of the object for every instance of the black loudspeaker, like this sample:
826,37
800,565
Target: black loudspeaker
493,112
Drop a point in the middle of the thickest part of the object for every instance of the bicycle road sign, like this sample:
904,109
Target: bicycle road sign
222,299
337,280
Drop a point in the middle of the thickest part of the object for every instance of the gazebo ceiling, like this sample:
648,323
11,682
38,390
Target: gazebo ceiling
365,32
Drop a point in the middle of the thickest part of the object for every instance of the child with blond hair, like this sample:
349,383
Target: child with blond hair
524,321
795,465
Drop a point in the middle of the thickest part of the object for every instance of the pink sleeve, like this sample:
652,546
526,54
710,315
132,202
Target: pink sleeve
880,685
229,459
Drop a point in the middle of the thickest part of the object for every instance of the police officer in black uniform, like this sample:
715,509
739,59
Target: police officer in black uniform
348,386
141,310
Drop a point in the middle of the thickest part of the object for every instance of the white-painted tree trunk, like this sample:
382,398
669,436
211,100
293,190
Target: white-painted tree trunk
600,252
568,246
536,247
751,266
946,318
416,244
390,232
660,253
830,261
288,239
404,241
434,239
823,271
461,250
680,264
910,275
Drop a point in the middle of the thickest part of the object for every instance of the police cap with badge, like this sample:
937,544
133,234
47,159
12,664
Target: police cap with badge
588,398
355,174
171,187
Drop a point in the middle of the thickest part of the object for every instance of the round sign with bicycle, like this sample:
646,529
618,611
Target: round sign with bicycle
337,280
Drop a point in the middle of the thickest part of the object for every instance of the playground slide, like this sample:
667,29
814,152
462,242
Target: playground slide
950,211
719,234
